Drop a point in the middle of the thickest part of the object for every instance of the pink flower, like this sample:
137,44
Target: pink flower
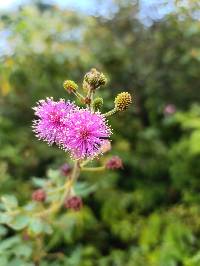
169,109
51,116
106,146
85,133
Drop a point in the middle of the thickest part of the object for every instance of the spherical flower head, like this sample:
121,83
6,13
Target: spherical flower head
114,163
85,133
122,101
74,203
50,123
95,78
70,86
39,195
98,103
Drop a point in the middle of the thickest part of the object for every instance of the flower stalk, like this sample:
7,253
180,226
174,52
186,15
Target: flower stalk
111,112
93,169
82,132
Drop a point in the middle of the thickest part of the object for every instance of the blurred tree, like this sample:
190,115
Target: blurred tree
148,213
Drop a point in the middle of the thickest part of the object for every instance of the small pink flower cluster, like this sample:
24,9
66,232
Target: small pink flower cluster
80,131
169,109
74,203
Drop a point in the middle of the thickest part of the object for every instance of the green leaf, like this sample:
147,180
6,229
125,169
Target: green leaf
48,229
5,218
23,250
3,231
53,174
19,222
194,139
19,262
36,226
10,202
83,189
9,243
3,261
30,206
39,182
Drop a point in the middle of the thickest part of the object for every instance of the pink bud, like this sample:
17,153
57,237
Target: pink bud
75,203
169,109
65,169
114,163
39,195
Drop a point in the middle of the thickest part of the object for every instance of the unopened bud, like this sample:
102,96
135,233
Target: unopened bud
95,78
75,203
122,101
114,163
70,86
97,103
65,169
39,195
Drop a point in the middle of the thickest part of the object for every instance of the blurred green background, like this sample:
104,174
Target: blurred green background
147,214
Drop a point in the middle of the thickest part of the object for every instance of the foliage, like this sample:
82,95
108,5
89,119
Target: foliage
145,214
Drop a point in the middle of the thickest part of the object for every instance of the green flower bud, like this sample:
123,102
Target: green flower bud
70,86
122,101
97,103
95,78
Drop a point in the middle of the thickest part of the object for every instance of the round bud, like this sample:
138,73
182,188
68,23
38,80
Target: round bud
114,163
70,86
95,78
39,195
122,101
65,169
74,202
97,103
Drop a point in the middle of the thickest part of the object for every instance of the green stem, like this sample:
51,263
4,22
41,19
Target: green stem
93,169
73,178
68,185
84,163
90,96
51,192
78,95
111,112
